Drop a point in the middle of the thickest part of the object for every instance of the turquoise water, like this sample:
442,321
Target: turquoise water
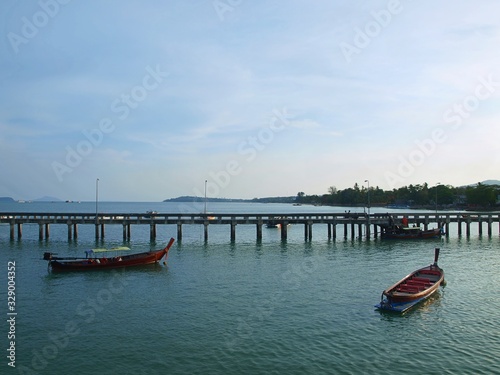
300,307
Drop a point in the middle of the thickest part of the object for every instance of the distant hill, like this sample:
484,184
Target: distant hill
490,182
6,199
187,198
485,182
292,199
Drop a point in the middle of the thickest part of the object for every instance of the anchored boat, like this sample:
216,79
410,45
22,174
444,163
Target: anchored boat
413,288
93,262
410,233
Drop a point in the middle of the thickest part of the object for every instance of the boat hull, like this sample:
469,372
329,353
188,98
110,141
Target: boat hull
412,289
139,259
413,235
400,307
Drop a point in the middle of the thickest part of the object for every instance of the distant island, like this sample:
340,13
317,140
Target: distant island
42,199
193,199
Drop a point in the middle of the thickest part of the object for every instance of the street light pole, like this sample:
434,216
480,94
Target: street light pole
205,210
368,196
96,200
436,200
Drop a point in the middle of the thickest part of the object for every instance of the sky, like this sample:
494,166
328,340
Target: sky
149,100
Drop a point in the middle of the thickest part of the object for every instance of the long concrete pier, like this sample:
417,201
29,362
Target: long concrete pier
354,225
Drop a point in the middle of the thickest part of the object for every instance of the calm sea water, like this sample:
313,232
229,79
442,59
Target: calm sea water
300,307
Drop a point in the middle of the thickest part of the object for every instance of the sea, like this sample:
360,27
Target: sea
244,307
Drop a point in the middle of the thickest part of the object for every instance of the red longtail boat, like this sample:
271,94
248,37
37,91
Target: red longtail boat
413,288
100,263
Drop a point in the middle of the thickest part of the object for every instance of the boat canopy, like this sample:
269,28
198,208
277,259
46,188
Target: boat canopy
102,250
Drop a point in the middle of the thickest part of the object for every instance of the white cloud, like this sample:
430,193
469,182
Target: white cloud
226,77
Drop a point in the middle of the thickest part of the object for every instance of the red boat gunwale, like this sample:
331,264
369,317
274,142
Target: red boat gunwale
417,285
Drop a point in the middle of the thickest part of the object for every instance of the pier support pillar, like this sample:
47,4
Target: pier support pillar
102,230
12,225
310,231
284,228
205,225
489,225
352,230
259,231
368,229
70,227
480,225
179,231
467,227
334,230
459,222
75,231
306,231
233,232
40,231
19,230
129,231
152,232
345,230
124,232
360,230
96,230
329,229
47,230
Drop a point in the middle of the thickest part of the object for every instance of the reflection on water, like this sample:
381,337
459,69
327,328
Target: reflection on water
251,307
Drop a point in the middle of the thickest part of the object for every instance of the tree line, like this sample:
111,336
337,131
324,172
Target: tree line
480,196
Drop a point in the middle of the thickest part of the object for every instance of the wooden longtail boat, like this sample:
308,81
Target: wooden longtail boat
413,288
411,233
99,263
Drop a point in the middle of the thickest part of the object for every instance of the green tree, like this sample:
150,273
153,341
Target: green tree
481,195
300,196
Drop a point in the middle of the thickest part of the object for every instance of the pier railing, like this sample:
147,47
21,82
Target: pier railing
358,222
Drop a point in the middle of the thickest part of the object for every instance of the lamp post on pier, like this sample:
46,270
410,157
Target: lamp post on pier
436,199
368,218
368,196
205,209
96,208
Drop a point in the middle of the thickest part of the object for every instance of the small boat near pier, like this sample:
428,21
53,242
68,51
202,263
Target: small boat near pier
411,233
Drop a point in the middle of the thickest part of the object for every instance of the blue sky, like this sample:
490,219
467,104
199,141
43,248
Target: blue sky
258,98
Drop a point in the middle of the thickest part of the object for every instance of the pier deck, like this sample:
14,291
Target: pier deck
360,224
